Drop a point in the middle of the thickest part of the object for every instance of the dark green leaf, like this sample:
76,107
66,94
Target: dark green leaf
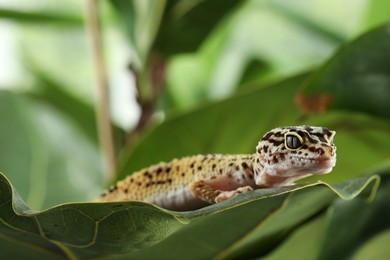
304,243
186,24
296,209
253,73
355,229
125,10
91,229
352,223
357,77
375,248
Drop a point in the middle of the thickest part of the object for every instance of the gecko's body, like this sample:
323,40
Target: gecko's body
282,156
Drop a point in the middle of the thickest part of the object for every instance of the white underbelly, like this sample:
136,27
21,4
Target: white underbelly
179,200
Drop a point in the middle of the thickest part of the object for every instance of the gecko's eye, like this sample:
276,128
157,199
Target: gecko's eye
293,141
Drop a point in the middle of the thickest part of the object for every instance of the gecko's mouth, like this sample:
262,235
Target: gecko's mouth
323,166
327,165
322,160
308,165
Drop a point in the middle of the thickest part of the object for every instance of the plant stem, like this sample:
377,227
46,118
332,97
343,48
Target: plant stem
102,104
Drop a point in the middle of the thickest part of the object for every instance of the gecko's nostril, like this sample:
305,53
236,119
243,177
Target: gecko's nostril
320,151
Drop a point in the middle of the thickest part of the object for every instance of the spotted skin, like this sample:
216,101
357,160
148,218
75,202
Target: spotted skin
282,156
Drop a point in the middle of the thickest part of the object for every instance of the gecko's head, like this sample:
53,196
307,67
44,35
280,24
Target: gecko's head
295,151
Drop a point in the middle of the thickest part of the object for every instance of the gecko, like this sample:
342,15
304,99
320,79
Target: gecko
282,156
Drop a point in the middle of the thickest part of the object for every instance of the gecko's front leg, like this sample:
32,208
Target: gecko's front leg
216,190
230,194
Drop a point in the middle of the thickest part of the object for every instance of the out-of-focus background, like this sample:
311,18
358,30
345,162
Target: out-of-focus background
185,77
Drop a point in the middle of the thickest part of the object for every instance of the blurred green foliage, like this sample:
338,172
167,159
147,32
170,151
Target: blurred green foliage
221,73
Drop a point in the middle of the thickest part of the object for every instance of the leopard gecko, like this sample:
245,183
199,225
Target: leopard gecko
282,156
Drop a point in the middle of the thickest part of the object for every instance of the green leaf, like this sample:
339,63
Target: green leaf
188,23
253,74
41,17
375,248
296,209
83,229
376,13
126,11
141,20
92,229
304,243
357,76
350,224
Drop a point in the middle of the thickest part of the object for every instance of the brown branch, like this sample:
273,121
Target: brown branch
102,104
147,103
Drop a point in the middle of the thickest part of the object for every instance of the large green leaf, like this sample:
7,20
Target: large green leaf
244,231
91,229
357,77
235,126
264,233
